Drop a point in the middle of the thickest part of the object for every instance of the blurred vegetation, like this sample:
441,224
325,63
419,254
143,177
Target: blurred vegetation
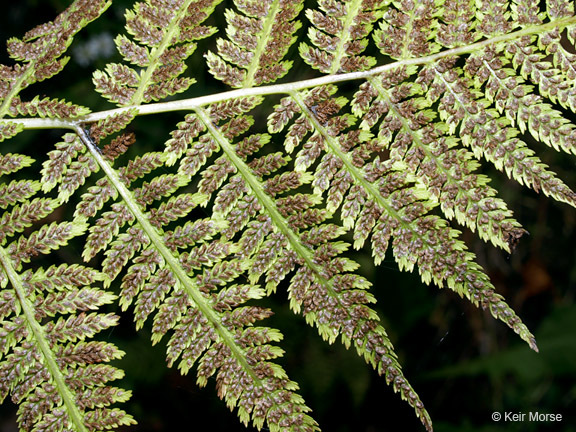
464,364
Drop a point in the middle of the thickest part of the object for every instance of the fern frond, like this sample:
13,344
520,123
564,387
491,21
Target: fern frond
408,29
465,108
164,34
111,124
181,281
9,130
563,60
380,199
431,154
196,234
11,163
457,24
281,232
41,51
24,215
493,17
532,65
46,108
257,42
43,320
340,33
16,191
68,167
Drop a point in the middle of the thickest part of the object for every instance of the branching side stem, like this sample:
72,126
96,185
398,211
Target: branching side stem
288,88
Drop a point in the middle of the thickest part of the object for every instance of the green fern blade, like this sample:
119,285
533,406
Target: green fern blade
343,312
68,167
30,365
523,108
188,235
17,191
408,30
531,62
489,136
565,62
47,238
457,24
63,277
9,130
72,299
432,154
334,315
111,124
257,42
50,108
10,163
40,49
164,32
340,34
438,254
22,216
42,311
175,291
519,162
95,198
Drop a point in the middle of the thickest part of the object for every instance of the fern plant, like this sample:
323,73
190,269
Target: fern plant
264,188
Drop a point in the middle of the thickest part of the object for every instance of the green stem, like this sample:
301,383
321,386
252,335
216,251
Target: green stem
288,88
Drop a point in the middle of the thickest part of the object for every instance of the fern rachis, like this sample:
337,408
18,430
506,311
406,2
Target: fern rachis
225,211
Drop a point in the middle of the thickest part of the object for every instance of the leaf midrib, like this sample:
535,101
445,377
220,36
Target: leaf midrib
287,88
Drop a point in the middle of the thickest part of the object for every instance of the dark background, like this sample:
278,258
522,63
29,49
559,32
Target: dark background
464,364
